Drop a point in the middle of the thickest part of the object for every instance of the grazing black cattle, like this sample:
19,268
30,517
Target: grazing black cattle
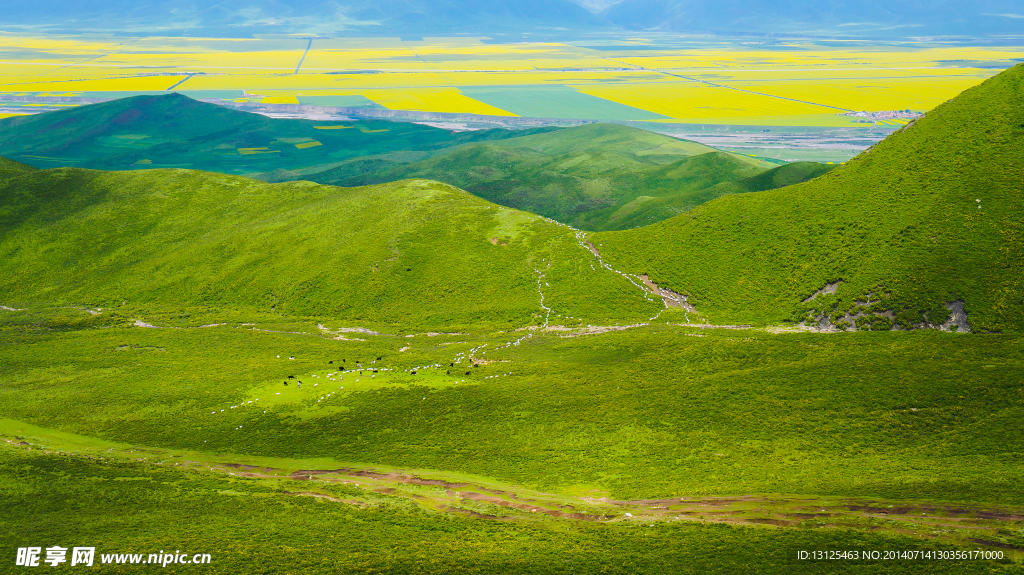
452,364
330,362
286,383
476,365
375,371
378,359
291,377
467,373
414,373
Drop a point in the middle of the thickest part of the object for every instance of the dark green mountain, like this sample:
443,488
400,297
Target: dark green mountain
594,177
176,131
926,222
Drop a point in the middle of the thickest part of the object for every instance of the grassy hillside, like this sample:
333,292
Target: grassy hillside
699,173
588,176
930,216
175,131
417,253
10,168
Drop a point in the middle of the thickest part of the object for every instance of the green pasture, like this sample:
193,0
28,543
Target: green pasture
249,525
555,102
641,413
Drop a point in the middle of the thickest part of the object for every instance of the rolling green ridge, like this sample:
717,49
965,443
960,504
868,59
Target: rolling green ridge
929,216
146,132
588,176
594,177
415,253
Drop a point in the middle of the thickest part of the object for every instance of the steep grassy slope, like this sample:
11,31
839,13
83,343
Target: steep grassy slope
582,176
417,253
929,216
176,131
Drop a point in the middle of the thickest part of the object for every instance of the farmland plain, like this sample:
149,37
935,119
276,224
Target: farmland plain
651,79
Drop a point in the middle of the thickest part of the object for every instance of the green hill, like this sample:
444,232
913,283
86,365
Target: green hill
929,217
696,186
588,176
415,253
10,168
175,131
593,177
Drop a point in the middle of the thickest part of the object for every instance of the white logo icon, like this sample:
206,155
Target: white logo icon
28,556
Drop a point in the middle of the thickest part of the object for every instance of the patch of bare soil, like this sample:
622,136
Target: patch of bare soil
591,330
671,298
829,289
244,467
361,330
327,497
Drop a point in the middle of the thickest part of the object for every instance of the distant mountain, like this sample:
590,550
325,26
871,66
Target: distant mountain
867,18
923,228
565,17
146,132
312,16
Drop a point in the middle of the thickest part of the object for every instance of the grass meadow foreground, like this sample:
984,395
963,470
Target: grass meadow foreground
654,448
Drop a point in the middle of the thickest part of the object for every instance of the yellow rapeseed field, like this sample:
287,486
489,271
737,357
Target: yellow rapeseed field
799,83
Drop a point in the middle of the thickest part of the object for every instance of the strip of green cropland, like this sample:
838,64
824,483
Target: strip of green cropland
417,254
933,214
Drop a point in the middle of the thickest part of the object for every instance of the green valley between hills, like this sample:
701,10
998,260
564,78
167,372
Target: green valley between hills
594,177
404,377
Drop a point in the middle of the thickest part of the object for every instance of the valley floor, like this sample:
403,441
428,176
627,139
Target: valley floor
658,448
